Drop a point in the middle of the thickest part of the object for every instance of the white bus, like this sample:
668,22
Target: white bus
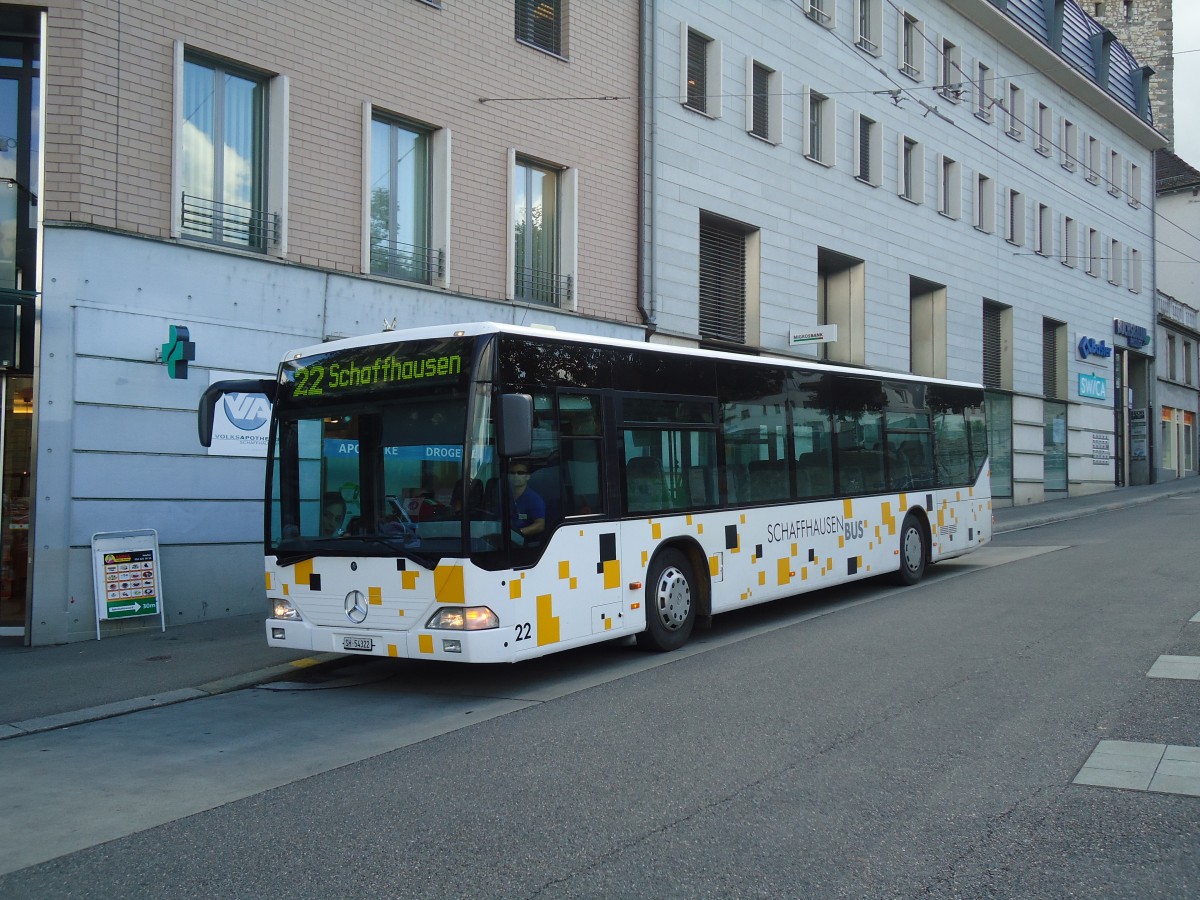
491,493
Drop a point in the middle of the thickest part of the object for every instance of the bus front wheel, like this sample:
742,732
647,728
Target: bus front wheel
914,550
670,602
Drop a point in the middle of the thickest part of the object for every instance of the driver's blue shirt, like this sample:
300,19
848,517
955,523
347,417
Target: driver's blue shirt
527,509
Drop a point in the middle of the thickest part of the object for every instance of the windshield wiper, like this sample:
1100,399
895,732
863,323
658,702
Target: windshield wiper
425,562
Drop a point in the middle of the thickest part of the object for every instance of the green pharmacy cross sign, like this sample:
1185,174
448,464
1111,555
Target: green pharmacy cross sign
178,351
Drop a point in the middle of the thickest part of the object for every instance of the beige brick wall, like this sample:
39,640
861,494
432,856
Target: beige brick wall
109,119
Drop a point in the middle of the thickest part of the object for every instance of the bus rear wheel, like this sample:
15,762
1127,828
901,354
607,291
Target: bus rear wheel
914,550
670,602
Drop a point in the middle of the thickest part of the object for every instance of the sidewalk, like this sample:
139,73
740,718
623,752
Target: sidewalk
53,687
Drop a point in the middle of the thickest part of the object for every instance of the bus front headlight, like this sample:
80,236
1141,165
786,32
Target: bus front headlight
466,618
283,609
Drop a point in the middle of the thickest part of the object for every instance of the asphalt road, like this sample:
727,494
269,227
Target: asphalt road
866,742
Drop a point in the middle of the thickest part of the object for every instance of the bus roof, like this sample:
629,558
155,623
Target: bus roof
476,329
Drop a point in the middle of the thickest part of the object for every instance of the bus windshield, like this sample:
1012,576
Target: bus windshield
382,473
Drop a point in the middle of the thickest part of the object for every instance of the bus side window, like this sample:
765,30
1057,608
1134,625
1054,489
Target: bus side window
645,484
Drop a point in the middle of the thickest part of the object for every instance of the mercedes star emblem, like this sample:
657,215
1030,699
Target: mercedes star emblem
356,607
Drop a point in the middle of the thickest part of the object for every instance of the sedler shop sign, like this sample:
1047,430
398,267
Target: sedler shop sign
1091,347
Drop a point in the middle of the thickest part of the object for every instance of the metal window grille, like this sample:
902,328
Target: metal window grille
406,261
722,281
228,223
992,346
697,71
762,107
541,286
539,22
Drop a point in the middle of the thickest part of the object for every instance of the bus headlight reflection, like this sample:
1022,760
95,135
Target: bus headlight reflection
468,618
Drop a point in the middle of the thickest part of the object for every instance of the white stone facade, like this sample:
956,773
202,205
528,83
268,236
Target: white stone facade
792,205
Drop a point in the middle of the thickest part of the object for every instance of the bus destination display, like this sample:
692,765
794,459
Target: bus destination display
378,368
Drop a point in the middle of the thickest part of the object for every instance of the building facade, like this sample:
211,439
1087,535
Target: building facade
1178,328
264,179
958,188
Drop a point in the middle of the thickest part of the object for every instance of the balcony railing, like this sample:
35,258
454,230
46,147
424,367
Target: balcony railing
228,223
541,286
1177,311
407,262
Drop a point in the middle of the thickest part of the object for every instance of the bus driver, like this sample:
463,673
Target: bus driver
527,510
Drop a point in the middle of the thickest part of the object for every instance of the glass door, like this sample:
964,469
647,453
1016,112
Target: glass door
15,443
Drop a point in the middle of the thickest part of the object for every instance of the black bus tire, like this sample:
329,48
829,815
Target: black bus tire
671,598
914,550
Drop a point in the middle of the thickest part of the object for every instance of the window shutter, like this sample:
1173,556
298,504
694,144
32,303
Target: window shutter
722,282
864,148
761,105
992,348
697,51
1049,359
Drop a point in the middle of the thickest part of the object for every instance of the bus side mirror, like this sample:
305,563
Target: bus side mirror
516,425
218,389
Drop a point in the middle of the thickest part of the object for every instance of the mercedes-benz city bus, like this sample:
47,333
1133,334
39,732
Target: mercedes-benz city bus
488,493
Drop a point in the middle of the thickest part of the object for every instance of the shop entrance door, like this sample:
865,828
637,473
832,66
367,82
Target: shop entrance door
16,395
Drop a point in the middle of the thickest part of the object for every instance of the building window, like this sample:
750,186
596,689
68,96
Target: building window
927,327
1135,271
1171,357
1045,231
1115,256
1045,124
539,23
764,112
1014,231
1135,185
841,302
912,46
983,91
951,76
912,170
1070,145
868,149
1093,160
985,204
819,136
723,288
1093,252
1014,99
823,12
1070,242
399,201
701,75
949,188
222,155
543,233
1114,173
869,25
1187,362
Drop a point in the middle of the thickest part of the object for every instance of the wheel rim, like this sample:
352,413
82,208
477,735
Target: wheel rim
914,550
673,598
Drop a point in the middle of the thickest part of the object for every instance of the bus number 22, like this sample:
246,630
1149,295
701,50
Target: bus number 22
524,631
308,381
